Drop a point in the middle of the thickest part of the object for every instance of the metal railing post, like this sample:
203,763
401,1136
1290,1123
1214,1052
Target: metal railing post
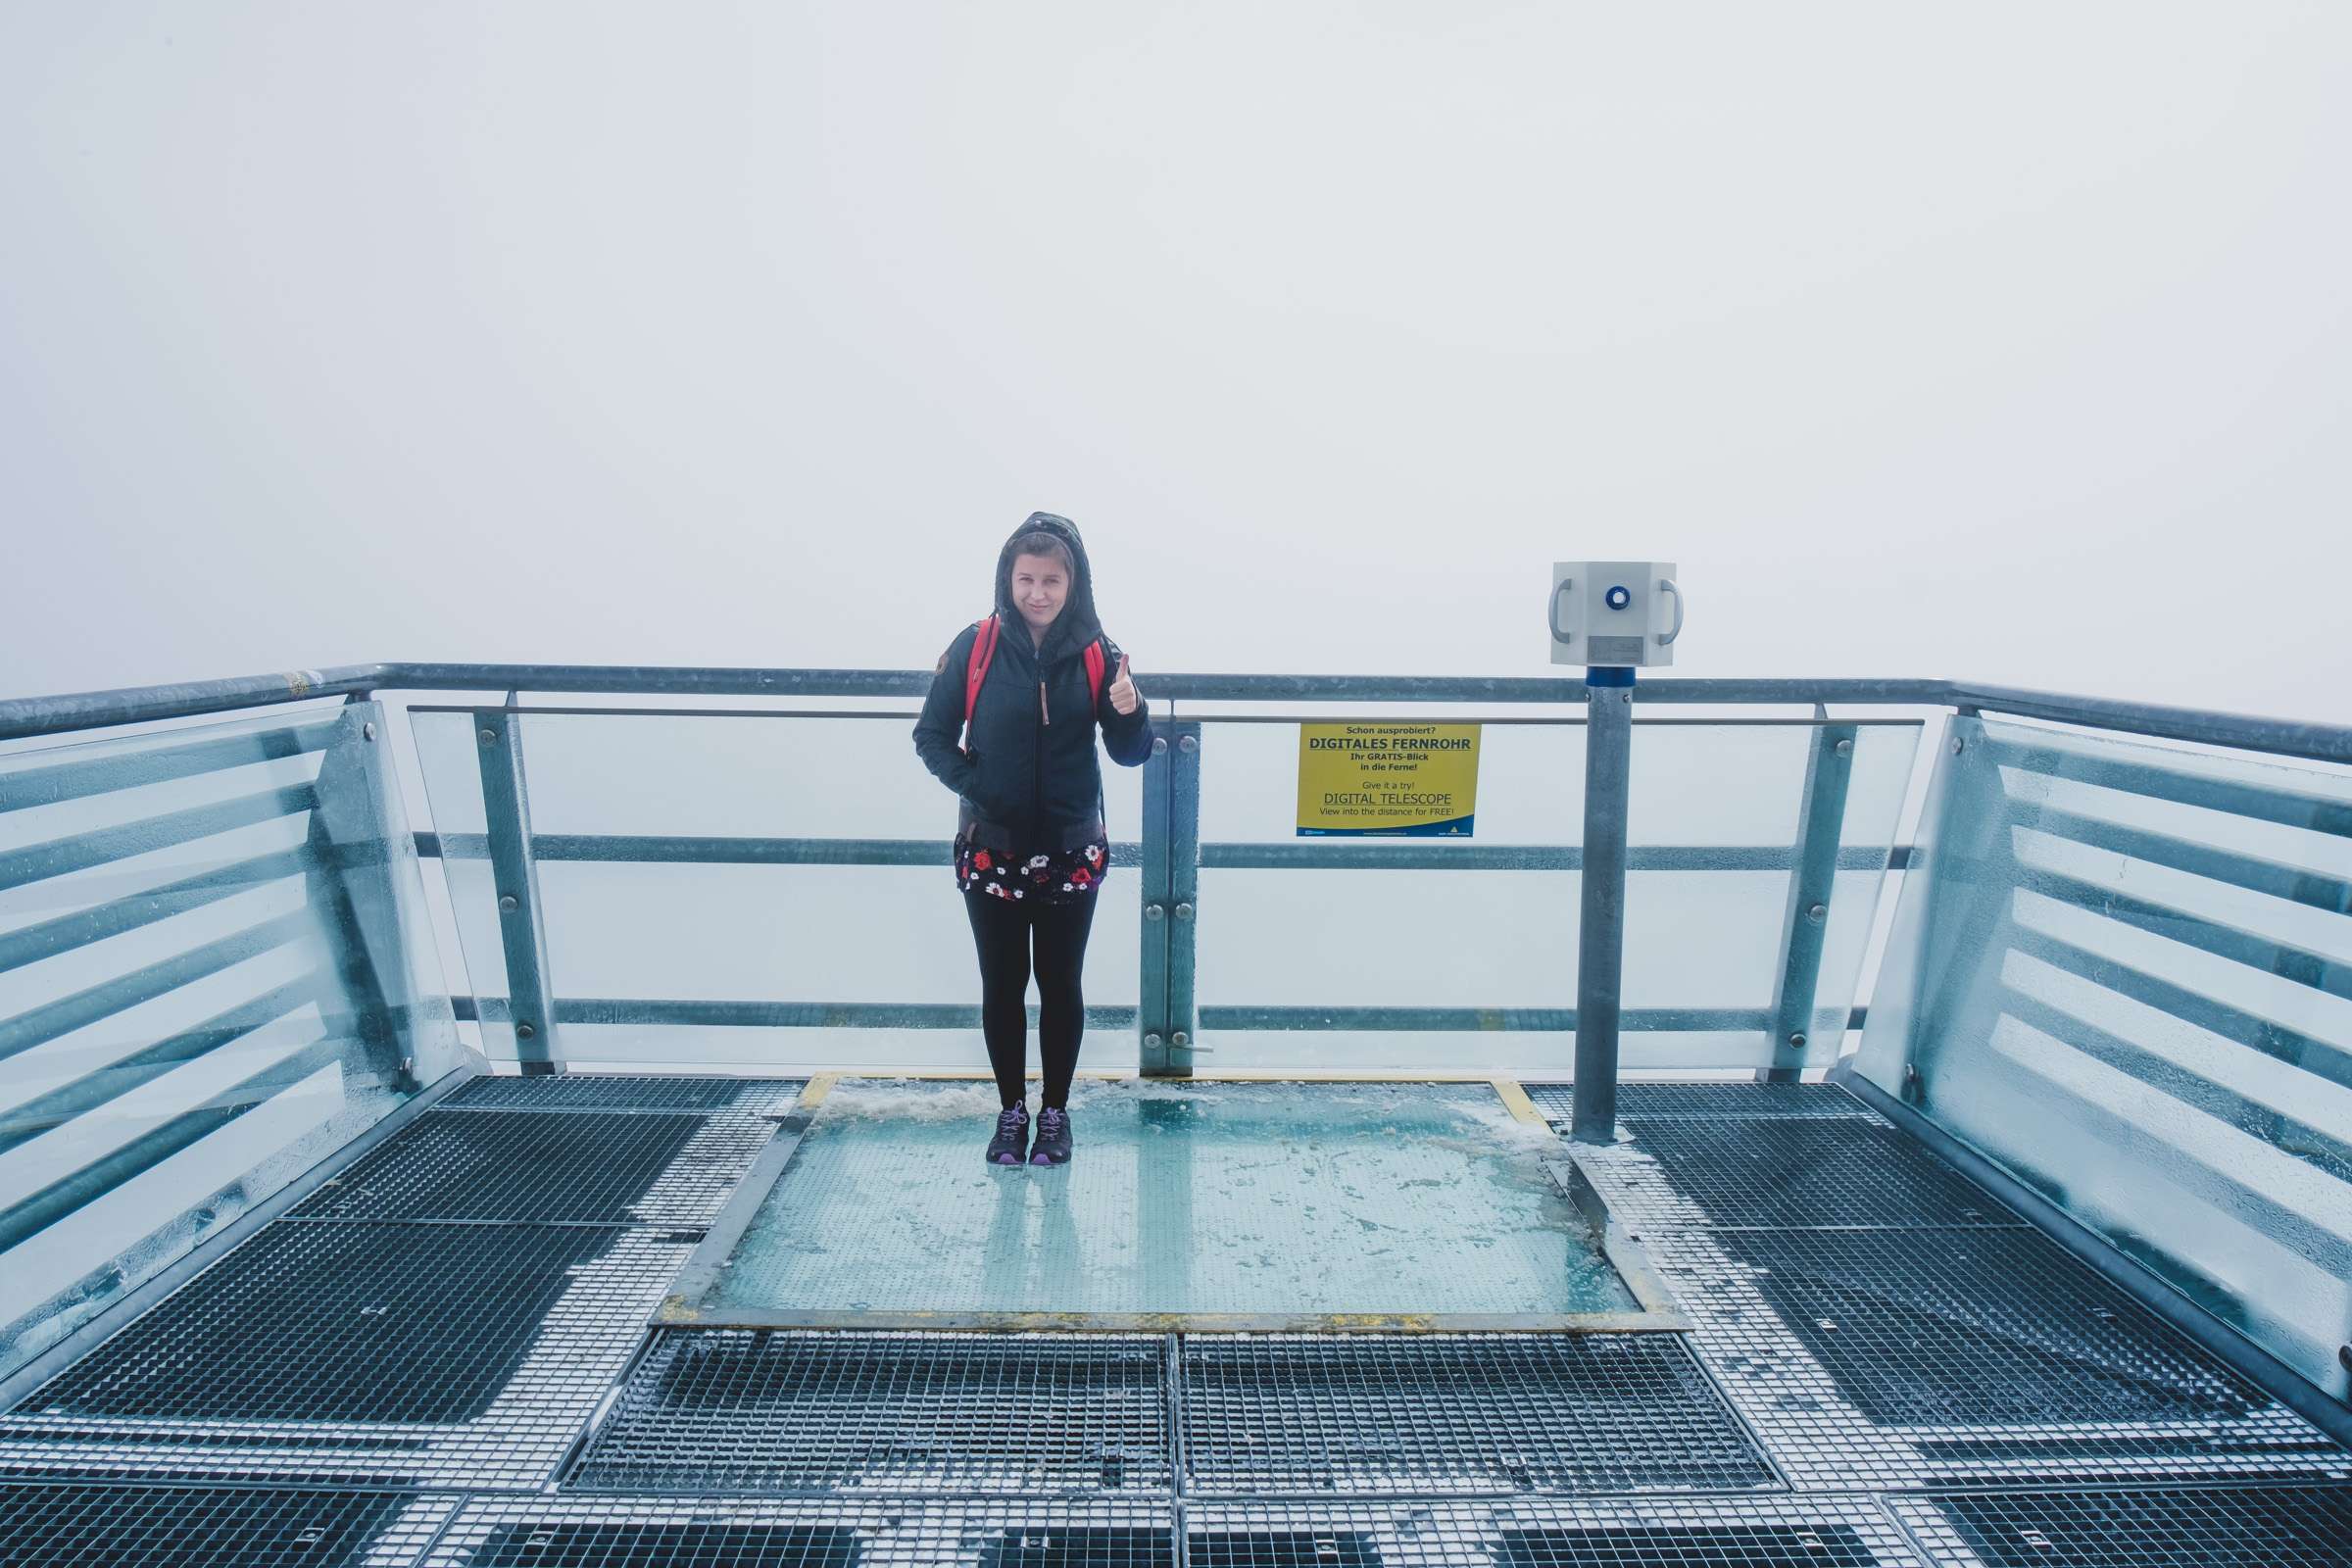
506,804
343,827
1184,894
1601,934
1151,1012
1812,880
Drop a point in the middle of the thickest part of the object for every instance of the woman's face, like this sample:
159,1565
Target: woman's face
1039,587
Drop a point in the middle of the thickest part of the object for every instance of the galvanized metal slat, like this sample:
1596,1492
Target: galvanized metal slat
1812,889
505,802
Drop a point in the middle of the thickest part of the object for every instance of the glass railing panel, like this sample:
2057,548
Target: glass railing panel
215,970
2125,972
1465,958
730,887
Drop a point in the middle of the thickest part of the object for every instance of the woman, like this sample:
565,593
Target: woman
1028,686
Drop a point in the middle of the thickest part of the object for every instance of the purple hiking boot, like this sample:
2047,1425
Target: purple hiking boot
1053,1146
1012,1142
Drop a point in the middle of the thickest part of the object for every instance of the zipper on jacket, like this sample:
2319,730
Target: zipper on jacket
1037,754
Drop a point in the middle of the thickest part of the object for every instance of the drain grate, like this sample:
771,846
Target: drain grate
234,1527
1792,1171
1745,1533
1274,1414
573,1532
1280,1548
1713,1101
1083,1547
1732,1546
1964,1357
526,1544
572,1090
436,1354
754,1410
2279,1527
515,1166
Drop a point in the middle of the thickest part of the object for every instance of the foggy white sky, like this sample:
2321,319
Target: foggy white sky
2000,341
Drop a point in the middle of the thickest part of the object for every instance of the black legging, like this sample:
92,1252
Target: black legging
1000,931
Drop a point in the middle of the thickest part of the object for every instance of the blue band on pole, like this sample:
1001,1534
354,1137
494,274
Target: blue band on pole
1609,675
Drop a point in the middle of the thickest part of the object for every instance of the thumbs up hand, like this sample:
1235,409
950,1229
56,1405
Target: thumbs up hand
1123,696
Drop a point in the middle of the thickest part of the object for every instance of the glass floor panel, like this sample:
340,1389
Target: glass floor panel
1188,1205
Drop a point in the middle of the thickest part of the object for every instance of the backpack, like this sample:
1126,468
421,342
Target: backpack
984,648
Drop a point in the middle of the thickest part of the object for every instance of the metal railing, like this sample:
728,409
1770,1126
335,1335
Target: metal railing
355,903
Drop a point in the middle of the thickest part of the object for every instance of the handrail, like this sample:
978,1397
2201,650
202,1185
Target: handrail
43,715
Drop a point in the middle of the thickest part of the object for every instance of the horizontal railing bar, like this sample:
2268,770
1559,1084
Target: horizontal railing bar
1570,721
80,1188
1536,689
2289,808
1510,1020
2318,1058
33,943
1409,854
2275,878
2322,971
748,1015
104,775
140,704
78,1097
581,710
1562,720
43,715
754,1014
78,852
124,991
645,847
1324,854
2282,737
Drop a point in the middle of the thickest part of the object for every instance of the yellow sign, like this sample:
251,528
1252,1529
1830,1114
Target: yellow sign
1416,780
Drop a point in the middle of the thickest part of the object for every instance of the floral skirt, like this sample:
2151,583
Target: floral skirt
1057,877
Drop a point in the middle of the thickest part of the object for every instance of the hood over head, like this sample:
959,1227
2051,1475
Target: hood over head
1076,625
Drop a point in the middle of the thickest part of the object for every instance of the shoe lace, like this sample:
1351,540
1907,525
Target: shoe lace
1010,1119
1050,1121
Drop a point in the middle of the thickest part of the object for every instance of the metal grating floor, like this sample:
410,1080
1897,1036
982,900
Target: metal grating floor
1268,1415
221,1527
1713,1101
750,1411
1801,1171
401,1375
838,1533
2277,1527
573,1091
845,1533
426,1354
1971,1357
671,1168
1538,1532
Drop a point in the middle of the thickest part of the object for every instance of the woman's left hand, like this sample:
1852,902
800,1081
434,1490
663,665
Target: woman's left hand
1123,695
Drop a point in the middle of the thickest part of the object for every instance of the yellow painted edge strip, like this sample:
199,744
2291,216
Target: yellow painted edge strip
1515,1101
815,1090
1233,1075
675,1313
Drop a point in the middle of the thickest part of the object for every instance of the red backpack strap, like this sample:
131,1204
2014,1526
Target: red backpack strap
975,667
1093,673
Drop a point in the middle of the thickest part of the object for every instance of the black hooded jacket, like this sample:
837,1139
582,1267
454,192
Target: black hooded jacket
1028,778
